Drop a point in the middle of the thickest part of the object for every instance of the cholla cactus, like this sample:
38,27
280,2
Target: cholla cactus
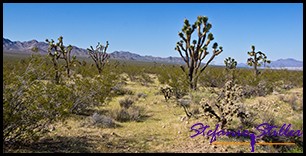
255,59
227,105
58,51
196,50
167,91
99,55
230,66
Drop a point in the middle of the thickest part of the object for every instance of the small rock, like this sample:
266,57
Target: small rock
164,126
179,132
187,122
52,128
183,118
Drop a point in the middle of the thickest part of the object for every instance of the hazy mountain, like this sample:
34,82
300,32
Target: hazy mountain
288,63
25,47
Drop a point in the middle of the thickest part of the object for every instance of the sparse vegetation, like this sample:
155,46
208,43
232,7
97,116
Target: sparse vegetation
95,101
59,103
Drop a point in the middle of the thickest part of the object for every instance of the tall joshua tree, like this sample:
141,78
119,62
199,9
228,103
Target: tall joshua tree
193,53
58,51
256,60
99,55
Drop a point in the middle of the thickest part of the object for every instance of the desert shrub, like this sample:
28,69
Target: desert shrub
102,121
87,71
133,113
292,101
264,88
91,92
196,96
36,66
30,106
142,95
281,97
249,91
119,90
195,109
186,102
126,102
31,100
246,117
213,77
177,81
145,79
268,117
121,115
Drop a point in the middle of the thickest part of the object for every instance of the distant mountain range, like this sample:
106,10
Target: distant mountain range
25,47
280,64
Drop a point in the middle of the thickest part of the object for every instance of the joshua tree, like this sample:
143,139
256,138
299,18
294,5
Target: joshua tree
256,59
230,65
58,51
55,55
194,52
99,55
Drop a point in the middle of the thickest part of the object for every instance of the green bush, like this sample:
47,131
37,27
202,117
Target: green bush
31,99
30,105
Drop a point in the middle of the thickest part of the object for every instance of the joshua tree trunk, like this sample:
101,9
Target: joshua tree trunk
57,76
191,78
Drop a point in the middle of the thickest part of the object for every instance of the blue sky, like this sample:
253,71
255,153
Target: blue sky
152,29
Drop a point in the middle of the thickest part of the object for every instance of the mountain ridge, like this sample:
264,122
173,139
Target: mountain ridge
26,46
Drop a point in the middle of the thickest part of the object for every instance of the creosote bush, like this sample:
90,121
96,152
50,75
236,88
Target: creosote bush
32,101
29,106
